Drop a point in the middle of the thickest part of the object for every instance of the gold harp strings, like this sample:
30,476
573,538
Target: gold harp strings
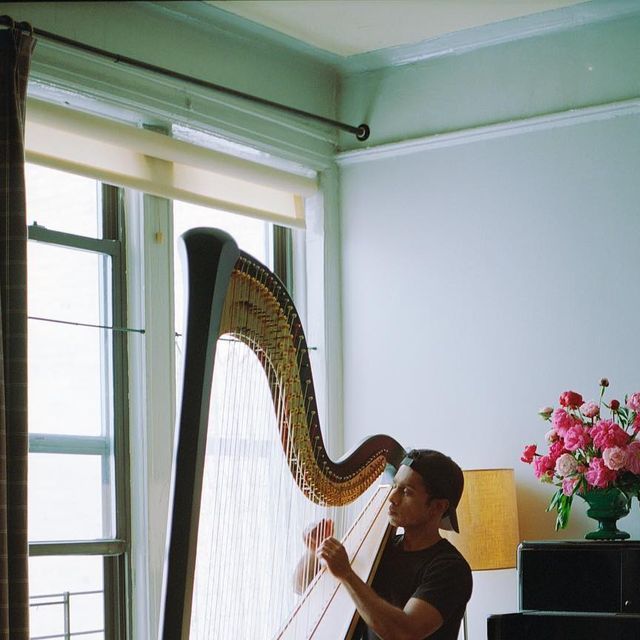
279,376
296,423
301,509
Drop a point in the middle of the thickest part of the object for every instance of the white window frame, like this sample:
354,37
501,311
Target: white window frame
112,448
152,365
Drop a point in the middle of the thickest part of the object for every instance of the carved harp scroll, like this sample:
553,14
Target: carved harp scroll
231,294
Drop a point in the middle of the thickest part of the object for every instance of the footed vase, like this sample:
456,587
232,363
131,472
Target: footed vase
607,506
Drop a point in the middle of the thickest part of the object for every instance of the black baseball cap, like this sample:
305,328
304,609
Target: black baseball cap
442,478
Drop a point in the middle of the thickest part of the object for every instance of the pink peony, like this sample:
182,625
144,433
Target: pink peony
577,438
571,399
543,467
590,409
556,450
636,424
599,475
615,457
566,464
569,485
633,457
528,453
562,421
633,402
607,433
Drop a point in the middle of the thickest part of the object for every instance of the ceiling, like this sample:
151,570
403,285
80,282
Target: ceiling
350,27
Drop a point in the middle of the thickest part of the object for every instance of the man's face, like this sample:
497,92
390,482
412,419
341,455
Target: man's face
409,503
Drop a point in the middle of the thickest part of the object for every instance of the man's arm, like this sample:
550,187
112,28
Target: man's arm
416,621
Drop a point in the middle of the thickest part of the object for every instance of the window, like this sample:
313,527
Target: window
78,393
77,407
104,379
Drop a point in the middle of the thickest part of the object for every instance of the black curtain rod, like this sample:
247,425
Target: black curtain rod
361,132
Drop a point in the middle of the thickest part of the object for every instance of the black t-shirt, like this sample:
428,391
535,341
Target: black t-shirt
439,575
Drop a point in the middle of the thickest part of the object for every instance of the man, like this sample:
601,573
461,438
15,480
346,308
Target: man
423,583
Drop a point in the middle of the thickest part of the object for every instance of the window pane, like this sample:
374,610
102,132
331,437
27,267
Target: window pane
65,395
65,284
62,201
76,580
65,497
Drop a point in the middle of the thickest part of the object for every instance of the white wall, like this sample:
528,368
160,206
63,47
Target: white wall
480,281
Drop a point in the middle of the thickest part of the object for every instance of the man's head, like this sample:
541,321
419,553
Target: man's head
442,478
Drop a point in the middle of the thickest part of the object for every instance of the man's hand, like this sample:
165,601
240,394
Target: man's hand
307,566
315,534
334,556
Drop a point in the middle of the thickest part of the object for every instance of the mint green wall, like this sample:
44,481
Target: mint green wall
579,67
198,40
168,36
488,269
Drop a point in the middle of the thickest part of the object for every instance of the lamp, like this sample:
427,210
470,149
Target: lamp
488,519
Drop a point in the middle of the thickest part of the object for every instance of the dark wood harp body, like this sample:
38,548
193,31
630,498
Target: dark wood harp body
231,294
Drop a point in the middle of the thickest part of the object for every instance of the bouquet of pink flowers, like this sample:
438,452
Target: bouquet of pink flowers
592,445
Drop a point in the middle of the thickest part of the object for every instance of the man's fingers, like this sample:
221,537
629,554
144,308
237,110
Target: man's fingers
324,529
329,547
327,528
318,532
332,555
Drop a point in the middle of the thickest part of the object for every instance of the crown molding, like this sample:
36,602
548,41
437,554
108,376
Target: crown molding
215,19
460,42
567,118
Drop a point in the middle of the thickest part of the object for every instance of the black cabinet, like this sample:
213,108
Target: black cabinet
587,590
579,576
558,625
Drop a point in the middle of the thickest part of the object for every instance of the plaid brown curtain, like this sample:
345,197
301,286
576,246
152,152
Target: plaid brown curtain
16,47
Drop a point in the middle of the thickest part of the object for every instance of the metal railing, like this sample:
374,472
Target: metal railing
64,600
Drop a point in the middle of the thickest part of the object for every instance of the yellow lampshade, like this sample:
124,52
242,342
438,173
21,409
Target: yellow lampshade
488,519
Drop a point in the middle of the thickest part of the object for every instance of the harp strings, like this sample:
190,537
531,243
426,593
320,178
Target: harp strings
253,515
300,511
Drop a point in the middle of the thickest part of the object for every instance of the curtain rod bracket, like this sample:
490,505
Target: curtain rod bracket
363,132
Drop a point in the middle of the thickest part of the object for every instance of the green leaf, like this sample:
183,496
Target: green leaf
562,505
564,511
555,498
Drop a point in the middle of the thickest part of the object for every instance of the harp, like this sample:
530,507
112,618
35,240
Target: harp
251,470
